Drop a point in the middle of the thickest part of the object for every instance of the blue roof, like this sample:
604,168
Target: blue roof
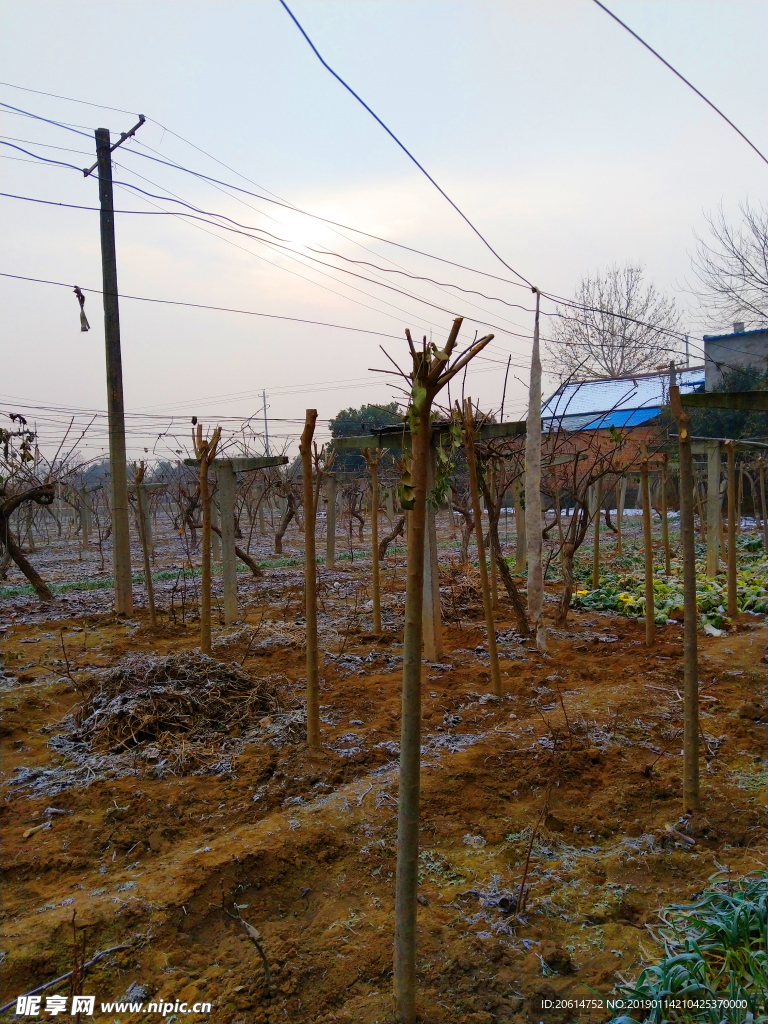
735,334
626,418
616,401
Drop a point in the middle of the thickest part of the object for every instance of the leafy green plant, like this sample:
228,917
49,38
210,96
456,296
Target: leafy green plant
625,593
714,949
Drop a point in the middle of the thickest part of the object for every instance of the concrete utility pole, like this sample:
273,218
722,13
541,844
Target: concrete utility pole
121,544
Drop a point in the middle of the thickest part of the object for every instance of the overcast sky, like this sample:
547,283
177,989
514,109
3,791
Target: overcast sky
564,141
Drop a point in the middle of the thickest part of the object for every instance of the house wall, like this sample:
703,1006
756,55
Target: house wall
723,352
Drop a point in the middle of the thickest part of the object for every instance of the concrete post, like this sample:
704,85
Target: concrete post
433,628
620,510
226,475
597,501
118,473
391,505
713,508
85,520
215,539
330,521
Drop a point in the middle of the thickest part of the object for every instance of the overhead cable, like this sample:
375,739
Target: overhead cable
682,79
200,305
407,152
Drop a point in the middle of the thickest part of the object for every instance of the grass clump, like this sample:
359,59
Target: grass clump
714,960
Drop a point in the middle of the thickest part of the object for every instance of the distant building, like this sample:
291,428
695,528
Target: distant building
615,401
742,348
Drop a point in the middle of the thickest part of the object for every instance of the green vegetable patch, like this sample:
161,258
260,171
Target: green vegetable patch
625,593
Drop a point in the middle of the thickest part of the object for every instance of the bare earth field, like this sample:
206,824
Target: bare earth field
189,783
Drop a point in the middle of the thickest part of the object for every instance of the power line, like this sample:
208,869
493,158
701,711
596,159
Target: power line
682,79
177,166
404,148
69,99
278,240
411,295
200,305
37,117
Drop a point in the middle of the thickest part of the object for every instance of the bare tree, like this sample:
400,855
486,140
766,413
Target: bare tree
616,326
732,268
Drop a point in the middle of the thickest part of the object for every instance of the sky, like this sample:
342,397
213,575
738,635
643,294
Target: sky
565,142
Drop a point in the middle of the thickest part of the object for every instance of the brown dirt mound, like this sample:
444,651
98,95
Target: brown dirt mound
182,694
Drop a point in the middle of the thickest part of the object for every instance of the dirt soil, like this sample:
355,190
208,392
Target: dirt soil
577,768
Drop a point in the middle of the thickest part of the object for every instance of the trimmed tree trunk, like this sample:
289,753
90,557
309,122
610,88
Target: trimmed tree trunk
430,373
42,494
469,444
574,538
397,531
310,577
501,564
285,520
242,555
410,737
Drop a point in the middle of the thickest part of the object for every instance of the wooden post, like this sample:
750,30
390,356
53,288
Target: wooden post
598,500
372,458
761,482
118,474
664,519
330,521
141,518
690,612
650,621
433,626
390,505
205,452
622,497
520,540
227,488
733,610
313,679
468,423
